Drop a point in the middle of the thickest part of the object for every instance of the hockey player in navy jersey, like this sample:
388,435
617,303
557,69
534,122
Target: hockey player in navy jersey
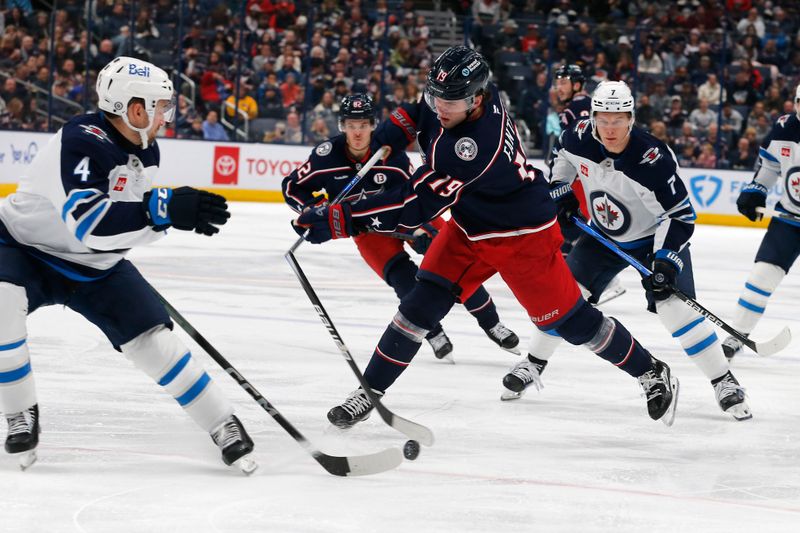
569,84
63,238
779,155
637,199
503,221
332,164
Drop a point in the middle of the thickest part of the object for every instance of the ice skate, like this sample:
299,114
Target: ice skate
612,290
731,346
356,408
442,347
525,373
504,338
731,398
23,436
661,390
235,444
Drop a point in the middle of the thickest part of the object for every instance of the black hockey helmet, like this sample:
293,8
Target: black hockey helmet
356,106
571,71
459,73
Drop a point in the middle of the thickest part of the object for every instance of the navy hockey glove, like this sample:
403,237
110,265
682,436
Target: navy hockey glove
568,206
185,208
325,223
423,237
753,195
666,268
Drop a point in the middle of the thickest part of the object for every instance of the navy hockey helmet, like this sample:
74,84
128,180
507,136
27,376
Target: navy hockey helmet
460,73
356,106
571,71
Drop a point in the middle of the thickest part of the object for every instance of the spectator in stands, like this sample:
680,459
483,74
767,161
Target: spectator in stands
213,85
711,90
686,138
318,131
762,127
649,62
271,105
755,113
247,104
731,124
507,39
531,38
645,113
212,129
659,130
122,41
290,91
294,131
743,158
264,55
195,130
675,116
702,117
740,90
675,57
773,101
288,63
105,53
686,157
753,19
707,157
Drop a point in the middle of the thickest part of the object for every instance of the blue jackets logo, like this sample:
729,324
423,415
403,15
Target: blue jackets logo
705,189
133,70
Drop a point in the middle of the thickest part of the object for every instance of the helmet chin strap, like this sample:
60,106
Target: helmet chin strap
141,131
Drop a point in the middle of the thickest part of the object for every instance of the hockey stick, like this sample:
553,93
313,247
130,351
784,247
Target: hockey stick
770,347
347,188
411,429
357,465
778,214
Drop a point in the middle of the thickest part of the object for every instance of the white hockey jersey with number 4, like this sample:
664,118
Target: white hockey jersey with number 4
779,156
635,197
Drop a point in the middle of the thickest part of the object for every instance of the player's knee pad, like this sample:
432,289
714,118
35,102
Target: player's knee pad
427,304
765,277
17,389
160,354
582,326
400,274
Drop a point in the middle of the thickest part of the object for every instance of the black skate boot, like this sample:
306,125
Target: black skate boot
442,347
730,397
731,346
523,374
235,444
504,338
661,390
23,435
356,408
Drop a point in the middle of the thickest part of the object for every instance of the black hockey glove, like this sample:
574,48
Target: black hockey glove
325,223
185,208
423,237
753,195
666,268
568,206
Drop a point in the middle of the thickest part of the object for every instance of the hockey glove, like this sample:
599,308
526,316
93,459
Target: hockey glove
185,208
568,206
325,223
423,237
666,268
753,195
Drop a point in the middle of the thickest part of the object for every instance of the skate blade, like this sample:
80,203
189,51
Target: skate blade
514,350
246,464
669,417
26,459
446,358
740,412
509,395
616,293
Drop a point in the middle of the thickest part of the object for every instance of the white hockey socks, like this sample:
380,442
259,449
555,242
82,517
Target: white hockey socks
543,344
163,357
763,280
17,388
696,335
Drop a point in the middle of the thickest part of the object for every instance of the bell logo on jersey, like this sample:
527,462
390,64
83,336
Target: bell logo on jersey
120,185
584,170
609,213
650,156
786,151
226,165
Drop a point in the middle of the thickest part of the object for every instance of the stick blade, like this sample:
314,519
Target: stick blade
361,465
774,345
410,429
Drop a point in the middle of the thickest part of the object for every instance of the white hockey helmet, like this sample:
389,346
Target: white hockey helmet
612,97
125,78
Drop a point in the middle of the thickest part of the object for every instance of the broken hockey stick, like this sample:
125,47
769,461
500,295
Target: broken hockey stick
377,156
770,347
411,429
356,465
774,213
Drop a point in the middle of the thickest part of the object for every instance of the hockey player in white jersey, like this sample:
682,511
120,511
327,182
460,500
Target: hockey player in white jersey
779,157
63,239
637,199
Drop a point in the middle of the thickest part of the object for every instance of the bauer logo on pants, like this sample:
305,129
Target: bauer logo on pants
226,165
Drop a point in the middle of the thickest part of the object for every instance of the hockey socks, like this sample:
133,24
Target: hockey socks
616,345
398,346
481,306
763,280
17,389
400,274
696,335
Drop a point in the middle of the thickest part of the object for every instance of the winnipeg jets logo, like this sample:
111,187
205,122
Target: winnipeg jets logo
793,185
95,131
650,156
466,149
608,213
581,128
324,149
782,121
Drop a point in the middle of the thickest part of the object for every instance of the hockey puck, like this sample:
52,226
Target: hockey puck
411,450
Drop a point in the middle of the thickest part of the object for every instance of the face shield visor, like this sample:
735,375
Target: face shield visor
167,108
449,107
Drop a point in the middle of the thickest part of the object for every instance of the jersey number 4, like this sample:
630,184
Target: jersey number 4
82,169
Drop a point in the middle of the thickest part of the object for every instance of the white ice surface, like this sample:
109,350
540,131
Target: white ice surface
118,455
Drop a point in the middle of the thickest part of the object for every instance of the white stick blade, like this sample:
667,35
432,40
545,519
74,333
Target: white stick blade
375,463
776,344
